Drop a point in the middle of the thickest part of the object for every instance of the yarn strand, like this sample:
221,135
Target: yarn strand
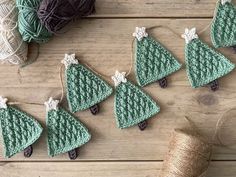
218,129
165,27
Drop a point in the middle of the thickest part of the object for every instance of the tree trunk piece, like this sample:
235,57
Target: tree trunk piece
28,151
94,109
143,125
163,82
73,154
214,85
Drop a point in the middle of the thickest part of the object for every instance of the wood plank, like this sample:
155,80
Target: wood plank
101,169
105,44
155,8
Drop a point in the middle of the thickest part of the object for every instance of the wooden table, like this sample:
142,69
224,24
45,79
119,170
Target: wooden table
104,42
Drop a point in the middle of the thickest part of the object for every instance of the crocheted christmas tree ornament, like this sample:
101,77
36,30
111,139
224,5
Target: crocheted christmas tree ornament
153,62
204,64
132,106
19,130
84,88
65,133
223,28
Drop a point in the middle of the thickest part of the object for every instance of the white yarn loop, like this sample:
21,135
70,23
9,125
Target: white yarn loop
69,60
140,33
3,103
119,78
224,1
12,48
51,104
189,35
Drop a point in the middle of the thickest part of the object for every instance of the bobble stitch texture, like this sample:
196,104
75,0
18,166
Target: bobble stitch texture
65,133
153,61
132,105
84,88
204,64
19,130
223,28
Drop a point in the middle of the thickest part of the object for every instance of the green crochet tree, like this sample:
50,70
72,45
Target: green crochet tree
65,133
203,63
19,130
223,28
84,88
132,105
153,61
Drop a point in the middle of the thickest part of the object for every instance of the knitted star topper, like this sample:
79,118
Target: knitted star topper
153,62
84,88
204,64
19,130
131,105
65,132
223,28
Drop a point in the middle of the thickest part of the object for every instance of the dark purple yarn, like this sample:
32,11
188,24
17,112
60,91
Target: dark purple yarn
56,14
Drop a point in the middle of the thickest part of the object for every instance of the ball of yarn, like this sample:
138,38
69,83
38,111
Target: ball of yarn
12,48
29,24
188,155
56,14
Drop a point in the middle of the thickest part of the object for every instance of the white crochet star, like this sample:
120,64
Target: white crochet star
51,104
140,33
189,35
119,78
3,102
224,1
69,59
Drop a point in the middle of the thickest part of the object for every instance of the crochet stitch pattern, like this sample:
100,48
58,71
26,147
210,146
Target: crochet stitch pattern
223,28
84,88
19,130
152,61
203,63
131,105
65,132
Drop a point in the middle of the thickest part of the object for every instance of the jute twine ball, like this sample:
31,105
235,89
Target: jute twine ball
188,155
12,48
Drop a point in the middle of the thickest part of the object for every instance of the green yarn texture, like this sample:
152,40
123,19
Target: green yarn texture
204,64
65,132
19,130
29,24
223,28
132,105
153,61
84,88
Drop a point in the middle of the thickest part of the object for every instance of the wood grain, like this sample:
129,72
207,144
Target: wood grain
101,169
155,8
105,44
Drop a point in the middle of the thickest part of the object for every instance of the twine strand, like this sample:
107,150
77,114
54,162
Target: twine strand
61,82
214,15
165,27
218,129
24,103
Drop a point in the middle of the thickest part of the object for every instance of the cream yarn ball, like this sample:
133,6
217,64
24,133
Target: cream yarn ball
12,48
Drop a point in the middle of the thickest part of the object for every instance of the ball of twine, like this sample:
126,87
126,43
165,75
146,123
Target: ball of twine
188,155
56,14
29,24
12,48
